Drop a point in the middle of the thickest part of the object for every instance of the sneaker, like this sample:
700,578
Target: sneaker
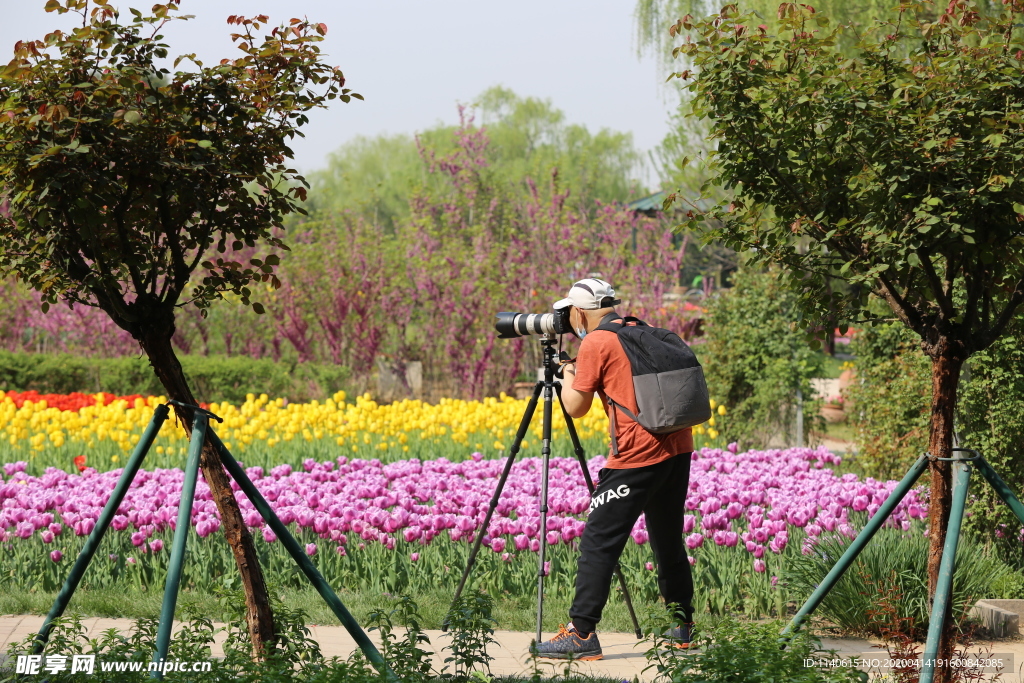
681,636
568,643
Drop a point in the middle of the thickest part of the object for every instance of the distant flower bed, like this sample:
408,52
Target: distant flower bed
54,430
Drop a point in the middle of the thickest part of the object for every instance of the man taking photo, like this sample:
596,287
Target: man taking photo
646,473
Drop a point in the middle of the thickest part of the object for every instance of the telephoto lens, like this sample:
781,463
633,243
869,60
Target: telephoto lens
513,325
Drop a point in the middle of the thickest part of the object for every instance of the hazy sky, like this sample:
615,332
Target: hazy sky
414,60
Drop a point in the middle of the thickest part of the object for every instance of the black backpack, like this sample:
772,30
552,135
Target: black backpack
668,381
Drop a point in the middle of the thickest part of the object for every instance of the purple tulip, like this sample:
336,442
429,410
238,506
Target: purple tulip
269,536
156,545
56,555
414,557
750,499
311,549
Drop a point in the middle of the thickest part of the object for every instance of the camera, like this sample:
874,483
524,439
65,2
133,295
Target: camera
513,325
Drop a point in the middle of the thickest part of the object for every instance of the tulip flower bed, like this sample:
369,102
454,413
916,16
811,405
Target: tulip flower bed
54,430
406,526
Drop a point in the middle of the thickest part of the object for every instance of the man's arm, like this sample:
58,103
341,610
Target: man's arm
577,403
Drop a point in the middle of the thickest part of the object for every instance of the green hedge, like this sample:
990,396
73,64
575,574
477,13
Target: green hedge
212,378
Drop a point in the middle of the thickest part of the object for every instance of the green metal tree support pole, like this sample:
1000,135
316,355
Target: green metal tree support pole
199,431
300,557
181,529
92,544
869,530
944,587
943,590
1004,491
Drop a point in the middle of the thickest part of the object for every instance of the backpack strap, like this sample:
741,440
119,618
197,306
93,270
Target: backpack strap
612,421
609,324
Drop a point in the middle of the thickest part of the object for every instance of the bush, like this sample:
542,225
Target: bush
731,651
213,378
756,357
991,418
897,559
890,399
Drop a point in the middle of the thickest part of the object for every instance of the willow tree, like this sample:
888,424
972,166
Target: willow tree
654,18
131,186
897,170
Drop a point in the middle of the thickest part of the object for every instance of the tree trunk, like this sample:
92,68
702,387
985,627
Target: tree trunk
945,379
259,617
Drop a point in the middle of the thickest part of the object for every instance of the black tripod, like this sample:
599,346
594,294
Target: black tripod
549,387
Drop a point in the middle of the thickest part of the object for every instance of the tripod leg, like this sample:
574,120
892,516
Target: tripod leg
524,425
181,529
102,523
581,456
546,458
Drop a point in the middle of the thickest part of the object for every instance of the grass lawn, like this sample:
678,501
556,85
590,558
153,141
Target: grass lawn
512,614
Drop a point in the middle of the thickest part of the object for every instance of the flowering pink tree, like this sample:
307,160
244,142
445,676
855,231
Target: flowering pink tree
355,295
77,329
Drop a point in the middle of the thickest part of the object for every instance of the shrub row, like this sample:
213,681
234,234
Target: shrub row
212,378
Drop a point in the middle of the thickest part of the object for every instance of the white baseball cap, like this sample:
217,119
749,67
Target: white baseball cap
589,294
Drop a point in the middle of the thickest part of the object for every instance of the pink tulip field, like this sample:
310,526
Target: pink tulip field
408,525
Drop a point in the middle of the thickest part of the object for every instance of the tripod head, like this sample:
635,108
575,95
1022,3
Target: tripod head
552,367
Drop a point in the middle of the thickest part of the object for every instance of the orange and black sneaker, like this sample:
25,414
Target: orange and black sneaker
568,643
681,636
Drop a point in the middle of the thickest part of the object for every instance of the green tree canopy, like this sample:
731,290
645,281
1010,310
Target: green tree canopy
378,177
896,171
686,136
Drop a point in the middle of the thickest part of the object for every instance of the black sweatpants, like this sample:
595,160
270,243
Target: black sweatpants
660,492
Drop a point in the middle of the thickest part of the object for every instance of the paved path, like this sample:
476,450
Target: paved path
623,655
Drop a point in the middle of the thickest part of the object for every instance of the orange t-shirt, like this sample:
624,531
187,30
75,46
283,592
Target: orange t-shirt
602,366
